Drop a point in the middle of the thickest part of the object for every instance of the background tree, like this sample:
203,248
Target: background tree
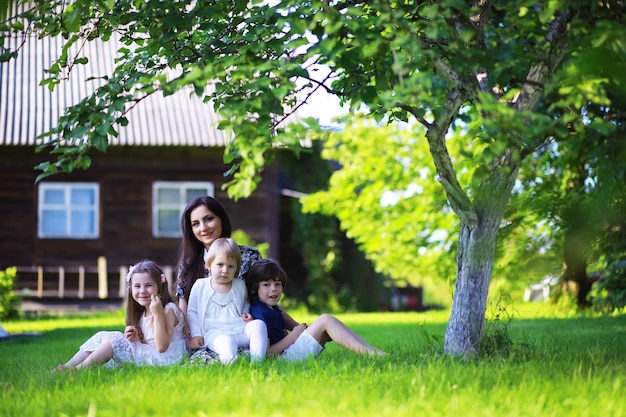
386,198
609,249
385,194
337,277
578,190
489,66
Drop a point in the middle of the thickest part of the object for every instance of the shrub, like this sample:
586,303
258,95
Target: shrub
610,289
9,301
496,341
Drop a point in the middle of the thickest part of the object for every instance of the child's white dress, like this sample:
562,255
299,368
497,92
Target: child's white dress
143,354
217,318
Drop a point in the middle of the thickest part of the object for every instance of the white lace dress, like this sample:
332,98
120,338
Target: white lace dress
143,354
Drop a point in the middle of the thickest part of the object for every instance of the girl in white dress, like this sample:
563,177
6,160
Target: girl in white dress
154,334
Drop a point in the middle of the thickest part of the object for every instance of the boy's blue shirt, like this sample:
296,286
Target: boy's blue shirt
273,318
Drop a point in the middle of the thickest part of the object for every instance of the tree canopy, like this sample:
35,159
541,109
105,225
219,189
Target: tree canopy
386,198
510,75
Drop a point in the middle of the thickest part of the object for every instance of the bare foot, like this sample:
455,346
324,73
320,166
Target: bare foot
63,368
377,352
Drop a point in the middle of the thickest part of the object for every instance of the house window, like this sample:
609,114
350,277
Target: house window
169,200
68,210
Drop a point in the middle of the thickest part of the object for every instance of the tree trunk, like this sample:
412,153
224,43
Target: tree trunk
474,264
480,219
475,255
578,234
575,249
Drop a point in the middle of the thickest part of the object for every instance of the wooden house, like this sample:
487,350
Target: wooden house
127,205
68,231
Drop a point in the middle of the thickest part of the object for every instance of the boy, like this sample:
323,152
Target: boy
292,341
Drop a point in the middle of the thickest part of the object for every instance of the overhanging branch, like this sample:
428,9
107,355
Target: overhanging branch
532,89
436,135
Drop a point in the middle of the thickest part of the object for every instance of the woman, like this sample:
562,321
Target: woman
204,220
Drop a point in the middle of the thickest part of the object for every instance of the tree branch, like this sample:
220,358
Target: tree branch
459,201
479,18
415,113
436,135
532,89
478,22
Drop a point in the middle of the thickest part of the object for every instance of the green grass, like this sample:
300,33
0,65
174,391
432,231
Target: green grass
560,367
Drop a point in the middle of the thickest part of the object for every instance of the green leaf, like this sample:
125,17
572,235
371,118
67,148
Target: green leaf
100,142
72,18
80,132
54,69
370,48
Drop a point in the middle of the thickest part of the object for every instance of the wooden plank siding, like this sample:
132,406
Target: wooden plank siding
125,175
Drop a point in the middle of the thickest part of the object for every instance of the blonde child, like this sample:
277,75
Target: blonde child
204,219
289,340
218,310
154,333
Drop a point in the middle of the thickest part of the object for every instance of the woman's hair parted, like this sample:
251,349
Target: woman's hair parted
226,246
134,310
263,270
191,250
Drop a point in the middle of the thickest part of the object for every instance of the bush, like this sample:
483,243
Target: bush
9,301
610,294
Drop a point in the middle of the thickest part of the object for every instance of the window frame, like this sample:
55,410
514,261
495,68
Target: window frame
183,187
67,207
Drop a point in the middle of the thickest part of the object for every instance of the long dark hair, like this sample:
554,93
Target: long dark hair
263,270
134,310
191,251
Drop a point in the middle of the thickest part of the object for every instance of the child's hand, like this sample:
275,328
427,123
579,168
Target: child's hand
156,307
196,342
299,328
247,317
132,334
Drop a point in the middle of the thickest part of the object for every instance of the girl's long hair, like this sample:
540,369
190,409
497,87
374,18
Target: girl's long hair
134,310
191,251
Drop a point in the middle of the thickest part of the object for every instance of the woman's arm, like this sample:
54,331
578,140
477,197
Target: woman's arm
249,255
182,304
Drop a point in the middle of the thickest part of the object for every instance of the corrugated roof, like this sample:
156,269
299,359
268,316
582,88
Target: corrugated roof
28,110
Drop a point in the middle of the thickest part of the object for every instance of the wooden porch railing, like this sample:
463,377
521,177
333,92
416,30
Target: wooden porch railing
107,279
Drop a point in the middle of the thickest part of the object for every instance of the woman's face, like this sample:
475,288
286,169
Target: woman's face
206,225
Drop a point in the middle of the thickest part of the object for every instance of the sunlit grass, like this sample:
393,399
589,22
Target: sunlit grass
109,319
564,367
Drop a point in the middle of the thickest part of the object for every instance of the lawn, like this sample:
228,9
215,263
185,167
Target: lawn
557,367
